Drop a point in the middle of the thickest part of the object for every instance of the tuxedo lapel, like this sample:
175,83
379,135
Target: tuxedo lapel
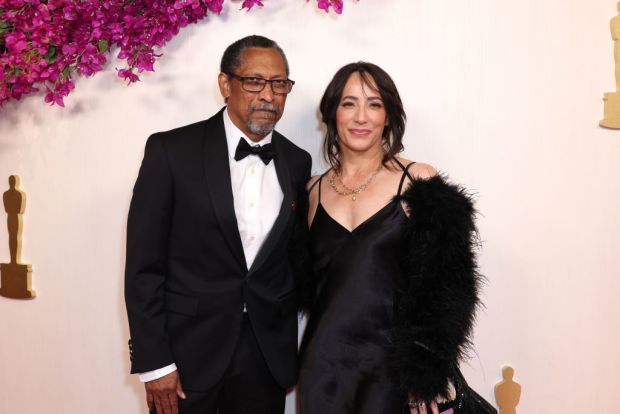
217,170
284,178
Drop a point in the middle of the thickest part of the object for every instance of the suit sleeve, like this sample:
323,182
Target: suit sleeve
299,247
148,227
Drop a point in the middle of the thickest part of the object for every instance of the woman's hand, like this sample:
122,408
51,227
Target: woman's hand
420,407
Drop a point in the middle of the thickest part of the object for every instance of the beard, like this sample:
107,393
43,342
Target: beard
263,129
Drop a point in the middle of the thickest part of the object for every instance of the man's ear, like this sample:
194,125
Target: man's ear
223,82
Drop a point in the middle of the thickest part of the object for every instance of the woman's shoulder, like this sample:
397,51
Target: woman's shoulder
418,170
436,190
312,182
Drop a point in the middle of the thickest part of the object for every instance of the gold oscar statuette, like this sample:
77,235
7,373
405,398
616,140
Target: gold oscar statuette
15,277
612,99
507,392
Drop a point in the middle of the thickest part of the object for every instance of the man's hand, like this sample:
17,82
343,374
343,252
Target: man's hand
162,393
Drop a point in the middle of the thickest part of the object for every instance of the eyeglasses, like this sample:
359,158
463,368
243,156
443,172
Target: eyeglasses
254,84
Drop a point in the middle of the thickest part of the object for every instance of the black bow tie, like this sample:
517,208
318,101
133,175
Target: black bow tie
244,149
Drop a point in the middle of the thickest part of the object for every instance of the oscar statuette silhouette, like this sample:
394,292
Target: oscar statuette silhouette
612,99
15,277
508,392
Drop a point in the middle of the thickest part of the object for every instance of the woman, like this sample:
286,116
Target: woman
395,284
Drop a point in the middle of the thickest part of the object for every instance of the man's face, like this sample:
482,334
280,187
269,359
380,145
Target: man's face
255,113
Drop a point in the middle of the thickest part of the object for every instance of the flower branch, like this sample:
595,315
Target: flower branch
45,44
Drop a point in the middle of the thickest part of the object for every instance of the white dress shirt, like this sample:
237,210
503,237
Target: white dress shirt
256,192
257,197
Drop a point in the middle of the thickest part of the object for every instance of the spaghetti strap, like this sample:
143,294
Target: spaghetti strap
405,174
314,185
319,183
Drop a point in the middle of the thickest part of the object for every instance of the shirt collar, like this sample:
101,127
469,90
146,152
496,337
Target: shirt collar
233,134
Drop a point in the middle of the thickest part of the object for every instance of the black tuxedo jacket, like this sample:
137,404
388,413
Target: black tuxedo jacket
186,279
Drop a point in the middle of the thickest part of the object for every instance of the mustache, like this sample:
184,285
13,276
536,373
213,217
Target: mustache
264,106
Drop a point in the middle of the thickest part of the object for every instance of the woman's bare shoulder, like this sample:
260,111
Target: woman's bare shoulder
312,182
419,169
422,170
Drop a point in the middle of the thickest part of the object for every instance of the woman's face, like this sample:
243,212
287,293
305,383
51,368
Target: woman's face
360,117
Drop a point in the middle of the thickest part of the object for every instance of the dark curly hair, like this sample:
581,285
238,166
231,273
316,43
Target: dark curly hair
378,80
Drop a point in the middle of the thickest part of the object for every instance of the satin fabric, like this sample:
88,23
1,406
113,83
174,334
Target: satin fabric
344,349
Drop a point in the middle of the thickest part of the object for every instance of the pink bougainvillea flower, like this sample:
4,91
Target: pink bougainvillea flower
44,43
69,48
128,75
20,45
56,96
248,4
70,13
337,5
323,4
215,5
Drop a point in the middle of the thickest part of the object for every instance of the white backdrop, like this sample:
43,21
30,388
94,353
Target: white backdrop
505,96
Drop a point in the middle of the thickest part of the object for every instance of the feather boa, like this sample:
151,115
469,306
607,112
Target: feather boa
435,305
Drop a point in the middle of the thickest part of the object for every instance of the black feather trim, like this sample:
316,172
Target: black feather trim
435,305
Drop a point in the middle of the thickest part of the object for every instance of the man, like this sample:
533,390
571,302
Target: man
210,293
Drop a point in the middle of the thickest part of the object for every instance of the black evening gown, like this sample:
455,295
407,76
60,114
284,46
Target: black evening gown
345,345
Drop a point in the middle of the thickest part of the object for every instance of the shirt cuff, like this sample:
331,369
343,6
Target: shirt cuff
158,373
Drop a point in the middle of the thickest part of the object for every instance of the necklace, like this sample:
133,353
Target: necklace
353,192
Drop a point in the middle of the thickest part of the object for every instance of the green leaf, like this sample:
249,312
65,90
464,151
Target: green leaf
65,71
51,53
103,45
